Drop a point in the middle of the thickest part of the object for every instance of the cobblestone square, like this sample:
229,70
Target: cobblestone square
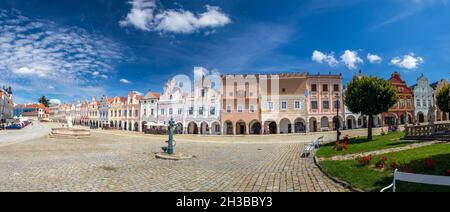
121,161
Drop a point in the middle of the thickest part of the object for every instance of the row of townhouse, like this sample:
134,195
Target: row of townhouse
33,111
414,105
253,104
6,104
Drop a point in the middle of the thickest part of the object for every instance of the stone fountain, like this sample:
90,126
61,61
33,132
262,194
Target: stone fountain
69,131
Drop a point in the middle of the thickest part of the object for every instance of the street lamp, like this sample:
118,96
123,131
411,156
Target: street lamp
337,122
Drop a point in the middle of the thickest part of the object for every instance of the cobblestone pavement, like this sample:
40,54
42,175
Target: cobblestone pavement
35,130
111,161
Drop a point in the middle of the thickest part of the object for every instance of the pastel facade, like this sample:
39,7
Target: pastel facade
132,112
6,104
323,92
283,103
241,112
117,108
93,112
104,110
171,105
202,106
403,111
85,113
149,109
31,111
423,99
440,115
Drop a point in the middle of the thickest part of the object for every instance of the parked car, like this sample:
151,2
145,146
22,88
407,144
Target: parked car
14,127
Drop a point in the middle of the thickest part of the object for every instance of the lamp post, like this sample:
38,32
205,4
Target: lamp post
337,124
170,142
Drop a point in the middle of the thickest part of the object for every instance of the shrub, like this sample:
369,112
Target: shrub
394,165
365,160
429,164
408,169
381,163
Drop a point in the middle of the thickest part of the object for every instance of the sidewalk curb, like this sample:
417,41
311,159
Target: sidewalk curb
336,180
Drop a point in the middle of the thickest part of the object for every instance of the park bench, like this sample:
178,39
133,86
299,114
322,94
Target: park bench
417,178
310,147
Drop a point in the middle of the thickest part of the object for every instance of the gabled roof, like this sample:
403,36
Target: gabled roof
153,95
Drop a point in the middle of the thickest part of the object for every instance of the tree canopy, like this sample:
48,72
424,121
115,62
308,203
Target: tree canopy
443,99
45,101
370,96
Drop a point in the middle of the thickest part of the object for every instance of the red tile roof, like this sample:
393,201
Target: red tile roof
153,94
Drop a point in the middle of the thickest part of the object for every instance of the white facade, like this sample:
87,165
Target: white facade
6,104
171,105
202,106
423,99
149,108
104,111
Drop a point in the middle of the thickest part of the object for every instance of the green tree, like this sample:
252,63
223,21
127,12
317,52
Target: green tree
443,98
370,96
44,100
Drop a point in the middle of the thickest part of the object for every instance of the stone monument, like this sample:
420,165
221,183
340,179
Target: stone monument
431,119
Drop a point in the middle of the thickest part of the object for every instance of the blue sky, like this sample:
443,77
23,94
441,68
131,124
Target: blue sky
75,49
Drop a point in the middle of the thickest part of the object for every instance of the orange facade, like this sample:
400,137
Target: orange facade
404,109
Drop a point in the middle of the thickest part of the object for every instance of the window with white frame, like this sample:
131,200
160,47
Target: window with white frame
252,108
170,111
284,105
191,111
270,106
297,105
162,111
212,111
228,108
200,111
240,109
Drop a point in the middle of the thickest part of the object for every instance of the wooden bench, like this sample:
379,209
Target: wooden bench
417,178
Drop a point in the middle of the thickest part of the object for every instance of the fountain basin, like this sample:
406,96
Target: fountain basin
70,132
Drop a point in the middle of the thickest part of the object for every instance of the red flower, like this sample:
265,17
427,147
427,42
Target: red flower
365,160
384,158
429,164
408,169
394,165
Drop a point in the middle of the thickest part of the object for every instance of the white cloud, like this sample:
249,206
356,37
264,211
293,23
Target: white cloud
408,61
55,101
351,59
145,15
125,81
373,58
324,58
38,53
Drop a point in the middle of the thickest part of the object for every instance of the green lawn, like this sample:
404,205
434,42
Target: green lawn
371,179
358,145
